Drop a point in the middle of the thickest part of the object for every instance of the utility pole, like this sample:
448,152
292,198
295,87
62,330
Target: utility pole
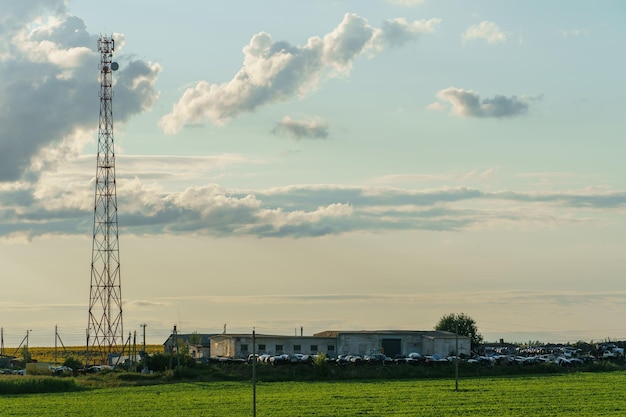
177,350
456,360
87,348
253,372
57,338
175,336
145,354
27,354
144,325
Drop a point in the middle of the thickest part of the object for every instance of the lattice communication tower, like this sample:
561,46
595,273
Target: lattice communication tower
105,332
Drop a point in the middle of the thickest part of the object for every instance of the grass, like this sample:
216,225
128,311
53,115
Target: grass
581,394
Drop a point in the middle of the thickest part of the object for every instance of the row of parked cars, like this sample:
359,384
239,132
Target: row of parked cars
562,355
55,370
282,359
413,358
561,358
12,371
297,358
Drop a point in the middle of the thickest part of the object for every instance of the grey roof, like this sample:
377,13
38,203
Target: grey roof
273,336
431,333
204,337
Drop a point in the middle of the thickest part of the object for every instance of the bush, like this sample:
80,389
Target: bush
73,363
158,362
37,385
320,360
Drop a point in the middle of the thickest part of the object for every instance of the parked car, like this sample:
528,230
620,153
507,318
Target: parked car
435,359
378,359
62,370
405,360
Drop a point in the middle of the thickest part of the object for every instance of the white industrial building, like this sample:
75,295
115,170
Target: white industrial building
333,342
240,345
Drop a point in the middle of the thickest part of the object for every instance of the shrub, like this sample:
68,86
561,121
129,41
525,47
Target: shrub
36,385
73,363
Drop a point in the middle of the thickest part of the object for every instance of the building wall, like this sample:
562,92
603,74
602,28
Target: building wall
447,346
170,344
368,343
361,343
199,351
345,343
224,347
240,346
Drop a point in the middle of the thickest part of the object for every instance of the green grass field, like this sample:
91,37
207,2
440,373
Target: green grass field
580,394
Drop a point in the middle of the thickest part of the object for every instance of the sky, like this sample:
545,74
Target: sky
330,165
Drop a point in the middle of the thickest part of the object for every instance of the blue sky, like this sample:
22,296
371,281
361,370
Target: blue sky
329,164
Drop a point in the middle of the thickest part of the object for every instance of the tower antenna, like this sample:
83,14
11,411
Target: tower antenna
105,332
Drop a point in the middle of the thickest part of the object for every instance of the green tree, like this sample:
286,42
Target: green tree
195,339
464,325
72,362
158,362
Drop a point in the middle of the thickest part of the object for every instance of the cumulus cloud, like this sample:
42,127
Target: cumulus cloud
308,128
276,71
397,32
487,31
468,103
49,75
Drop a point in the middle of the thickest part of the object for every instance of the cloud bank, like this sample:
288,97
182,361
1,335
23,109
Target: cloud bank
467,103
276,71
61,206
49,84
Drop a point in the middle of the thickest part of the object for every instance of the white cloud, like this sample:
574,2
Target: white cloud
468,103
61,207
407,2
575,33
275,71
50,75
307,128
211,198
396,32
487,31
473,175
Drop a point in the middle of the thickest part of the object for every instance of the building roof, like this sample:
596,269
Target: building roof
431,333
205,338
273,336
185,337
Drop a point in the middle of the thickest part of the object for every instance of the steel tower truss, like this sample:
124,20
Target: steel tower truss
105,333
